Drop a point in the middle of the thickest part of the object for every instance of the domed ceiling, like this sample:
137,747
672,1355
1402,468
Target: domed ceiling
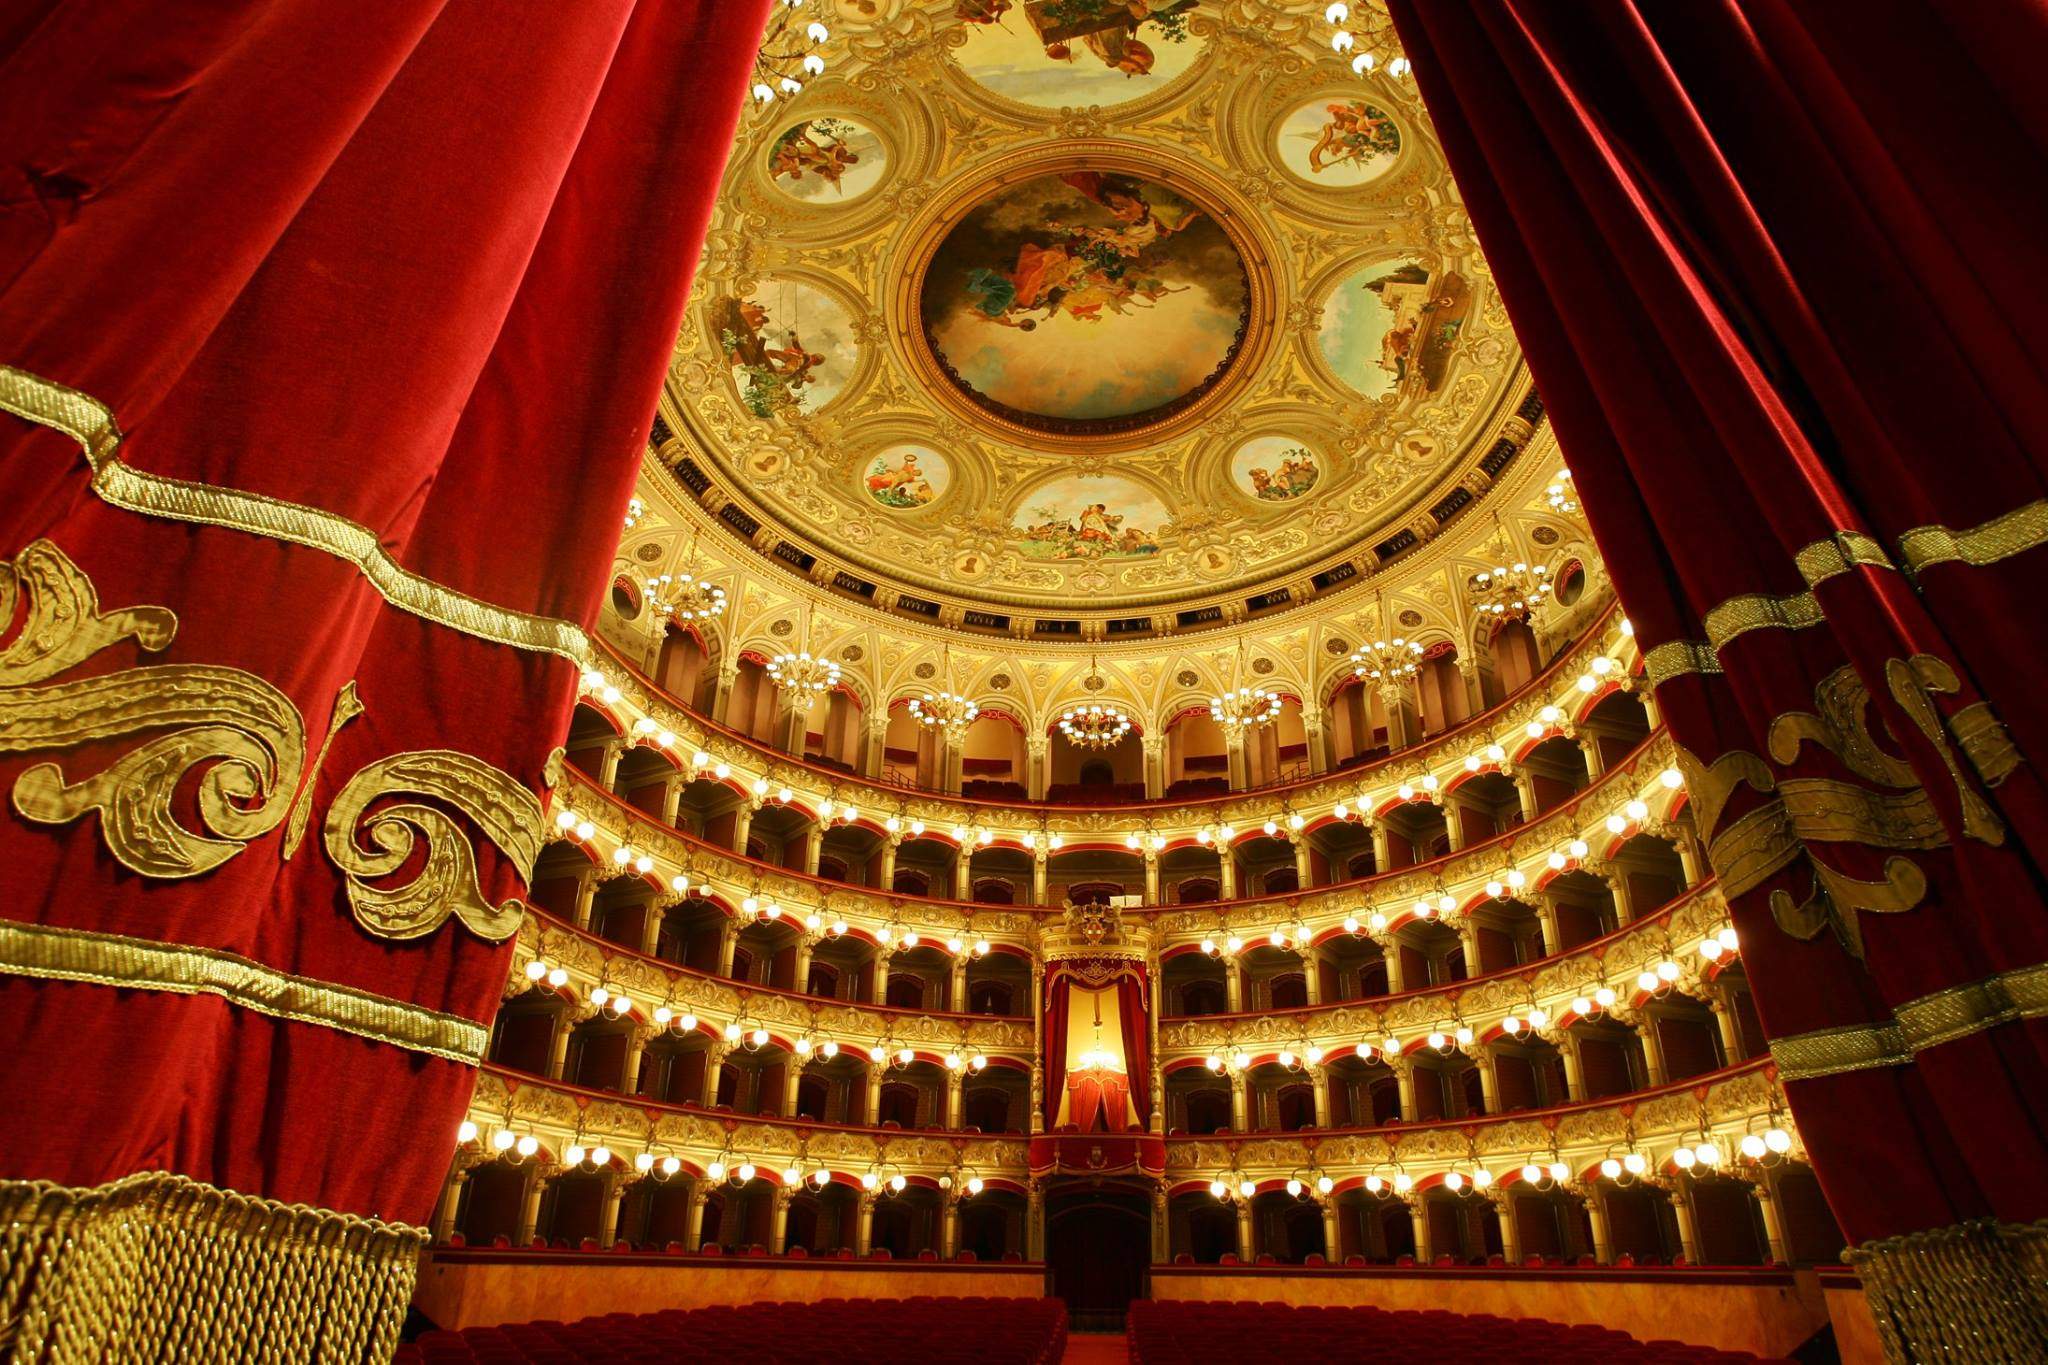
1084,304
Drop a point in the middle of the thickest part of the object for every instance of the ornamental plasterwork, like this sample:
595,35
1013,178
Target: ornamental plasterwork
805,370
1428,586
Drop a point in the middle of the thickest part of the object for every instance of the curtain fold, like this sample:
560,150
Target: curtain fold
1136,1017
1777,270
328,350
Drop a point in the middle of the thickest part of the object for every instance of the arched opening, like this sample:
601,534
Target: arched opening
1197,758
994,764
1098,1246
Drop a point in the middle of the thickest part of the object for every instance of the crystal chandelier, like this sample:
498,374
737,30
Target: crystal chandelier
1244,708
945,711
802,675
684,596
1377,29
1095,724
1386,661
787,49
1563,494
1509,592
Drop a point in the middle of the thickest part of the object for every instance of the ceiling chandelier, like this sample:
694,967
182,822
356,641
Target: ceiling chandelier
1509,592
801,675
1244,708
1094,725
1386,661
1377,29
788,54
945,711
1563,494
686,597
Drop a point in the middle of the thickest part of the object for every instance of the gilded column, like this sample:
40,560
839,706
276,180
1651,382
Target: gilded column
1418,1220
1157,1078
529,1206
1596,1214
614,1193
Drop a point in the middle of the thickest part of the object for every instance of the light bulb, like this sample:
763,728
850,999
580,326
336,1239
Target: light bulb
1403,1183
528,1145
975,1184
1683,1158
502,1139
536,969
1634,1164
1481,1178
1294,1188
558,977
791,1176
1532,1173
1539,1017
575,1154
1560,1172
1646,981
1753,1146
745,1172
1778,1140
1605,997
821,1177
897,1183
1218,1188
715,1171
644,1162
687,1022
1363,1051
1610,1168
1374,1184
1454,1182
1707,1154
1247,1188
671,1164
1511,1026
465,1132
733,1031
1436,1038
830,1049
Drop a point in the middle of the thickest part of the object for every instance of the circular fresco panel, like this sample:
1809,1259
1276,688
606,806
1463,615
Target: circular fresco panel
1274,468
1391,327
1341,143
790,346
1069,54
1085,302
904,478
827,160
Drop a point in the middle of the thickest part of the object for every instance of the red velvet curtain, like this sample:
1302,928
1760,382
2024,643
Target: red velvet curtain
362,317
1778,270
1135,1016
1054,1059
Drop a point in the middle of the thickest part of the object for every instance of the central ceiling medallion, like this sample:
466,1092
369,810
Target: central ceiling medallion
1098,298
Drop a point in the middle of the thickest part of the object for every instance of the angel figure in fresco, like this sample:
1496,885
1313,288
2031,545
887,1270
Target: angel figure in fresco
792,364
1356,132
903,486
1098,525
798,152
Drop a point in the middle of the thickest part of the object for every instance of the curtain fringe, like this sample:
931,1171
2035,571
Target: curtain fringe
1974,1292
160,1267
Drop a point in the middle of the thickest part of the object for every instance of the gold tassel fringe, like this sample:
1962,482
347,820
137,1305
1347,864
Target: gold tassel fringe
160,1267
1975,1292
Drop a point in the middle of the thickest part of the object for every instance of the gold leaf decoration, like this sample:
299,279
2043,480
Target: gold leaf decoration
507,813
245,733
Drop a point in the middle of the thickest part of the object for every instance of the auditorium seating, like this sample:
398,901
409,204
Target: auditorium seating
1193,1333
954,1331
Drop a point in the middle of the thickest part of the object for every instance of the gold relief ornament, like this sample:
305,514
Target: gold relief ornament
248,736
507,813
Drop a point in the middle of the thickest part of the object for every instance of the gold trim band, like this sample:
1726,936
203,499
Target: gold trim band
2023,528
1972,1292
59,954
1942,1017
157,1266
91,423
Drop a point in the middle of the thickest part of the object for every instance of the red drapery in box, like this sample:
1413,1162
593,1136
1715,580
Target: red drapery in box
1778,271
1133,1017
359,321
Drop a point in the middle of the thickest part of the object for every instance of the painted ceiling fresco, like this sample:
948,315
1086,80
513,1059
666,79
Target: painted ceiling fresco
1091,303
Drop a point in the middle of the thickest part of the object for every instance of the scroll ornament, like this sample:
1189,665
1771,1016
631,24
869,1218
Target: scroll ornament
1894,812
248,742
246,733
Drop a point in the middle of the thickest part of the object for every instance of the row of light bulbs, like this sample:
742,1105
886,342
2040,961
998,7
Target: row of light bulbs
1600,670
1654,979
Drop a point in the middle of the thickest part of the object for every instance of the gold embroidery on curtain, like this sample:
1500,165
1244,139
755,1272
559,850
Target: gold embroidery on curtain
347,706
2024,528
89,422
246,733
88,1275
447,883
1941,1017
61,954
1894,811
